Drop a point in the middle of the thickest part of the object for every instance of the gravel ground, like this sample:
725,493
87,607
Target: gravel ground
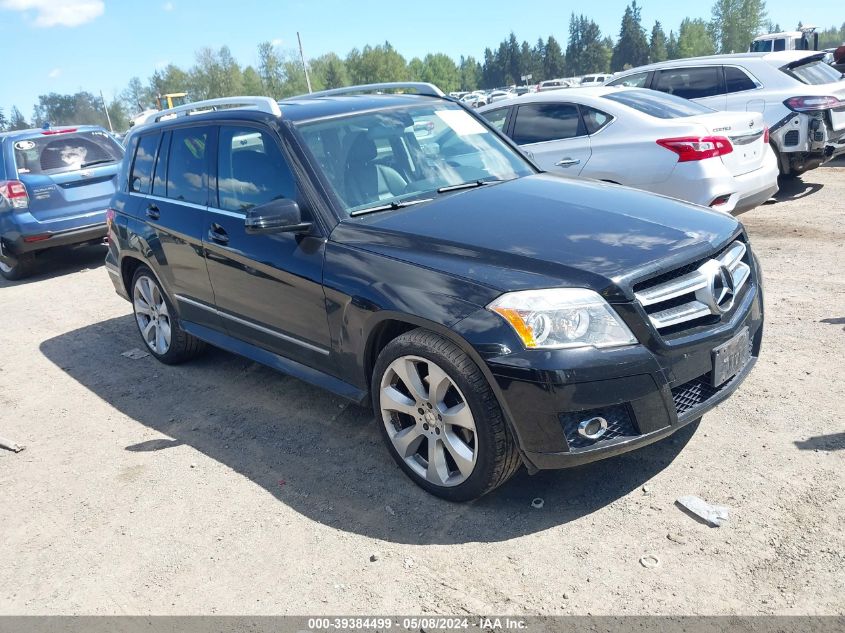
223,487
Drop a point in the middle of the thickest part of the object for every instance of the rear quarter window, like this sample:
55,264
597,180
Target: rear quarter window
59,153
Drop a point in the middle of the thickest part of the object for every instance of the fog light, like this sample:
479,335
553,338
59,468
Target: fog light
592,428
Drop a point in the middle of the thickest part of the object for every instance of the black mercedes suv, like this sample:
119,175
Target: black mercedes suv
393,248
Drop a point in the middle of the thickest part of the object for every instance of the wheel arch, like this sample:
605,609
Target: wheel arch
390,325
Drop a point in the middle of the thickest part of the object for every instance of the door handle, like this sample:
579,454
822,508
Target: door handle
567,162
153,213
218,234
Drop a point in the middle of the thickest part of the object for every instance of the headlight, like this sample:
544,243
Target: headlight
557,318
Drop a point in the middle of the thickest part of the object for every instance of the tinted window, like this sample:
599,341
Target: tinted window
59,153
690,83
736,80
160,177
761,46
631,81
497,118
780,45
250,169
656,104
594,120
142,167
814,73
187,168
539,122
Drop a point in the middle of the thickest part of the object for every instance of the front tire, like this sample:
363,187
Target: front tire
440,419
17,267
157,321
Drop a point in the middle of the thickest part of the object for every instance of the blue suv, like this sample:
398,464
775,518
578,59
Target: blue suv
55,186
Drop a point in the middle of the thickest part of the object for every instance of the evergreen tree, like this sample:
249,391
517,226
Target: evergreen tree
554,63
657,49
3,121
672,46
632,46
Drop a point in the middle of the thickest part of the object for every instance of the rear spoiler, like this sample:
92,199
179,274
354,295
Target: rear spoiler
805,60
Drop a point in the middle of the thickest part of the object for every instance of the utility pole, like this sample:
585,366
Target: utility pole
108,118
304,64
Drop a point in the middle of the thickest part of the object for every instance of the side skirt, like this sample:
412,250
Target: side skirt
279,363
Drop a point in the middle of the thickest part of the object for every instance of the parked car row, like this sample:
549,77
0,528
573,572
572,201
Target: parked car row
396,249
645,139
801,98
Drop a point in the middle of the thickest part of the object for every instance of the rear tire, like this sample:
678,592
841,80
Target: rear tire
17,267
157,322
445,429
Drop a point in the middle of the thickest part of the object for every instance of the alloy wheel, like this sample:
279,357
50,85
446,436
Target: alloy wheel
152,315
428,421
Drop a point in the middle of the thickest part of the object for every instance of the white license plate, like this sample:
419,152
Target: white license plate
730,357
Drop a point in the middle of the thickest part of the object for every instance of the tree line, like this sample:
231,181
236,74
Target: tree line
280,73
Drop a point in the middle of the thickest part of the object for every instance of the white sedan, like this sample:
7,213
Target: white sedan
648,140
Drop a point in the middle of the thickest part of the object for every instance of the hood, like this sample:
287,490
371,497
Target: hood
546,231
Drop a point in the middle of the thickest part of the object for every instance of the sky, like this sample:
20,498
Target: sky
67,45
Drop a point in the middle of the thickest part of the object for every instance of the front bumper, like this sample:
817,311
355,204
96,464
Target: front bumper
646,392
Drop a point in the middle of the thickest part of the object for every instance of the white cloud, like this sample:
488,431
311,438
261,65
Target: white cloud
277,42
58,12
168,6
54,74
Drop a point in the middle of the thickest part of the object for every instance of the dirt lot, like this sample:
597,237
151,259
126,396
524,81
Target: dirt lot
222,487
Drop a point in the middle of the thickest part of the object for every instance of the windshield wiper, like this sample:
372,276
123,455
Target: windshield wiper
472,184
91,163
390,206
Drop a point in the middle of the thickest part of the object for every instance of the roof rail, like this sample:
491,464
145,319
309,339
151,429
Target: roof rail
420,87
262,104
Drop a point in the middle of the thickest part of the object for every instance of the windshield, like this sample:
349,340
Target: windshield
401,154
58,153
658,104
814,73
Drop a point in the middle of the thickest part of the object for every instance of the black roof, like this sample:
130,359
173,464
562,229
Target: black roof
306,108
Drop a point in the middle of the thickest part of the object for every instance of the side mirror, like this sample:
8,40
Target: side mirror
277,216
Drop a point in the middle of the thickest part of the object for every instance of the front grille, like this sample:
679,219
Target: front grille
620,423
792,138
696,294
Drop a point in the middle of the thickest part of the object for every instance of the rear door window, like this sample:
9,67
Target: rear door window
58,153
142,165
187,166
691,83
251,169
541,122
